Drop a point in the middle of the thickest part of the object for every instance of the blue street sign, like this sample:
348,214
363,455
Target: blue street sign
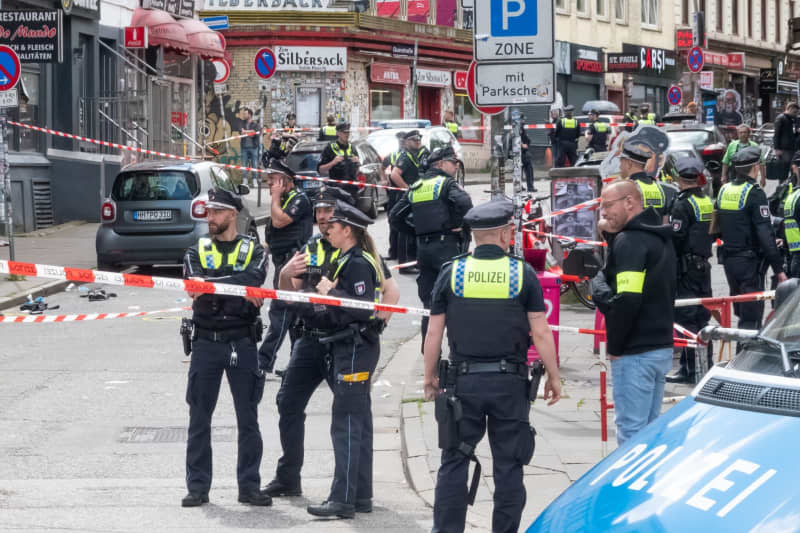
9,68
512,18
216,23
265,63
674,95
695,59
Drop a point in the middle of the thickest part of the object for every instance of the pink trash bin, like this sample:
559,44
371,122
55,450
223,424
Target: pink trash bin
551,290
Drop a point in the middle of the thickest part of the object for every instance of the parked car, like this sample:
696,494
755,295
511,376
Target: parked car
385,142
706,140
305,157
723,459
157,209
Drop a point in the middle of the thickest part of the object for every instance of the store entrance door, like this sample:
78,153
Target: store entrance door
430,104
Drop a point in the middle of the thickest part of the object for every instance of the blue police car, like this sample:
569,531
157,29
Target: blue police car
723,459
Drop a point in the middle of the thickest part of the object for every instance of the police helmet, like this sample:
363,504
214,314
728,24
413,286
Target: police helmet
569,109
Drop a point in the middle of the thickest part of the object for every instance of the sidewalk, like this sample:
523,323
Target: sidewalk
568,433
70,244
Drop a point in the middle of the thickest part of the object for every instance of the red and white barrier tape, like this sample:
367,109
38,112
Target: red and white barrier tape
564,237
48,319
585,331
685,332
404,265
590,205
749,297
284,130
186,158
182,285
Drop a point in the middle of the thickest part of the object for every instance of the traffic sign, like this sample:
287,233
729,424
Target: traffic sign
9,68
486,110
695,59
515,83
223,70
216,23
674,95
9,98
265,63
513,30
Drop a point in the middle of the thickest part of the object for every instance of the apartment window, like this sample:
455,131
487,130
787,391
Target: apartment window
601,9
563,7
621,11
719,15
778,21
582,7
650,13
21,139
763,20
685,12
735,17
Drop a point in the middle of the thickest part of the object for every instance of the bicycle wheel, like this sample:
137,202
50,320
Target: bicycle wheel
583,291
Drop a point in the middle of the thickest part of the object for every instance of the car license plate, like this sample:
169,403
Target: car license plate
311,184
153,215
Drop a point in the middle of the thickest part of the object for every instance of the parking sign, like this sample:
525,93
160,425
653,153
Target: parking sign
513,30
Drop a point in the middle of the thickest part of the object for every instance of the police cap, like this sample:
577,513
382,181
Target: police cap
569,108
689,168
345,213
441,153
637,151
222,199
343,126
401,135
594,112
327,196
494,214
746,157
411,134
275,164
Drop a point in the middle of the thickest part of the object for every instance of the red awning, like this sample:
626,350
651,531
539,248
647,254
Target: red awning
204,42
163,30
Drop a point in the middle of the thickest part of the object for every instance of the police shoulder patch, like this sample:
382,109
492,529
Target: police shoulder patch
765,211
360,288
676,225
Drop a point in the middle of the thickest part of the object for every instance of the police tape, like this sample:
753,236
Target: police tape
591,205
186,158
749,297
681,343
49,319
288,131
566,238
185,285
404,265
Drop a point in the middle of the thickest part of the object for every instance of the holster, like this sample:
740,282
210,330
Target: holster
537,371
449,412
187,330
352,331
257,330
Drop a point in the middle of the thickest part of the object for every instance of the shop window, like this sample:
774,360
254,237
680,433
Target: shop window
21,139
621,11
309,105
385,103
582,7
468,117
562,6
601,9
650,14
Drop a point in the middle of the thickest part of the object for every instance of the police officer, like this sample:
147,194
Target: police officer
328,132
404,174
339,159
597,133
291,124
388,165
646,118
632,117
451,124
567,133
636,153
745,226
354,347
226,329
308,365
490,303
791,232
290,226
527,156
438,205
691,220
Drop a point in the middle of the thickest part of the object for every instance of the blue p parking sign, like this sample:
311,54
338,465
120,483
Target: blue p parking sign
514,18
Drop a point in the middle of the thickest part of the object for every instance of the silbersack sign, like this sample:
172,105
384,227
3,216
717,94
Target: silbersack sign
35,35
311,58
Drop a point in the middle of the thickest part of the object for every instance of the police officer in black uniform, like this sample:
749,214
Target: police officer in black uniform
745,226
290,226
354,347
636,152
567,133
490,303
597,133
405,173
527,156
226,329
438,205
309,362
388,165
339,159
691,220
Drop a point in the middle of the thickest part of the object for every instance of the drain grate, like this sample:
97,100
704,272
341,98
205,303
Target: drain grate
160,435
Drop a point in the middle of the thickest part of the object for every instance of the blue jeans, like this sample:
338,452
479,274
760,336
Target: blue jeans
250,159
638,381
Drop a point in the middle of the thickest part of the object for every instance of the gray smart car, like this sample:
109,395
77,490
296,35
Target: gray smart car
157,210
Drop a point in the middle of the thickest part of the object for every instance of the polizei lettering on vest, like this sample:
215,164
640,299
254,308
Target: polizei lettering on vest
487,277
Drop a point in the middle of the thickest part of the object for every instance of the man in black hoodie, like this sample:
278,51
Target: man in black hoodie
635,291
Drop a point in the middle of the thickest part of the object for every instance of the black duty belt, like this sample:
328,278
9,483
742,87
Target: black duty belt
313,332
428,237
224,335
495,367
